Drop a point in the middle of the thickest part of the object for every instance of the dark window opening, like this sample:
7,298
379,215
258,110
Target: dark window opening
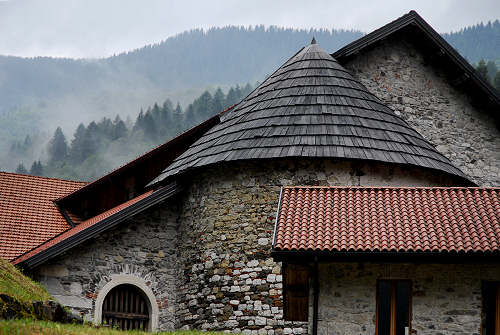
393,307
490,324
126,307
296,297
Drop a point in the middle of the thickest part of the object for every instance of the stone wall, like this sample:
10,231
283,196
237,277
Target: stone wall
229,280
396,72
446,298
143,247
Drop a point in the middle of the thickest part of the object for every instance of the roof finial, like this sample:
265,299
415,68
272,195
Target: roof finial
313,41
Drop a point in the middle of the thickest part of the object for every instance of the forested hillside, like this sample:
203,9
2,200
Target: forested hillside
37,95
193,59
35,92
481,41
100,146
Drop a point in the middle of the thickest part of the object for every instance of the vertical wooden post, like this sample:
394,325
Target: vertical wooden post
497,312
315,296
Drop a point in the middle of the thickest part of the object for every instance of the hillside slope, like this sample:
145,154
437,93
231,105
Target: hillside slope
16,285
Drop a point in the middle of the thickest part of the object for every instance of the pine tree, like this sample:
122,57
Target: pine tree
482,69
76,154
119,128
58,148
21,169
149,125
496,81
177,119
36,168
218,101
27,143
492,70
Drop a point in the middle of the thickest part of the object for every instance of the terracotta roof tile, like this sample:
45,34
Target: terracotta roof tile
28,216
388,219
79,228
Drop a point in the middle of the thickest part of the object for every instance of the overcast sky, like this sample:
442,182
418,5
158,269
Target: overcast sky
98,28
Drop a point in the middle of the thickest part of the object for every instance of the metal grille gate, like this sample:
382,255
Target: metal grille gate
125,307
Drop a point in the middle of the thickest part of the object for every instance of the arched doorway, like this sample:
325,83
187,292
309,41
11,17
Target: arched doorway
126,307
136,282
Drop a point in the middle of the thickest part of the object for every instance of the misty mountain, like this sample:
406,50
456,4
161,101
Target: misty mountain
39,94
103,145
193,59
71,91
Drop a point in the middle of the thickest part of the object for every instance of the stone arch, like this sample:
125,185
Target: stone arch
128,280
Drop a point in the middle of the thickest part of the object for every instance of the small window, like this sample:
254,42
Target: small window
296,292
393,307
491,308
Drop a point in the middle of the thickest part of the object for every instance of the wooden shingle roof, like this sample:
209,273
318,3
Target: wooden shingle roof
311,107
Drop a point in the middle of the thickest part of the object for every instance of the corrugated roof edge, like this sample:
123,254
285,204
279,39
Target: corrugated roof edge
414,18
215,118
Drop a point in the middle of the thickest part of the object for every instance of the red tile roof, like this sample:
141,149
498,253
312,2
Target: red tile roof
338,219
79,228
28,216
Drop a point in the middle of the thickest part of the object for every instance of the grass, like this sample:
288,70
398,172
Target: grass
18,286
33,327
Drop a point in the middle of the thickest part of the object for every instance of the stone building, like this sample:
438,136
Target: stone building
189,235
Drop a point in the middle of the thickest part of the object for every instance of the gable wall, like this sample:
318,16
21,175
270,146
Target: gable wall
143,247
395,71
228,279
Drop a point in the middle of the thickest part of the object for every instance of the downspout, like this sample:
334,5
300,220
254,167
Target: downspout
315,297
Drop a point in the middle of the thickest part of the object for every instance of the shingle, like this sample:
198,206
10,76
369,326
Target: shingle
312,96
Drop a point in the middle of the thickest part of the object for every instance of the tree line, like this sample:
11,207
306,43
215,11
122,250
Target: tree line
478,41
103,145
489,71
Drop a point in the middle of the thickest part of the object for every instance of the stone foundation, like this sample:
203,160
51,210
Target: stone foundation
397,73
446,298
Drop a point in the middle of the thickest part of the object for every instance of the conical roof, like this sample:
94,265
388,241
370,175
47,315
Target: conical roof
311,107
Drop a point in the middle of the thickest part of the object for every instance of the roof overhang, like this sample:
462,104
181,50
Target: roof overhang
309,256
103,222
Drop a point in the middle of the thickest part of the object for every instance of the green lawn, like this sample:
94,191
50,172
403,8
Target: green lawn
33,327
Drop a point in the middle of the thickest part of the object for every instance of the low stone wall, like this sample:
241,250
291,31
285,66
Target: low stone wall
143,248
446,298
397,73
229,280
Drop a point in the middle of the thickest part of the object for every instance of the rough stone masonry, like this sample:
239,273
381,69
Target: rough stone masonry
398,74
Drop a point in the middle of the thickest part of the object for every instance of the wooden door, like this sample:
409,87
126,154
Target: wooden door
125,307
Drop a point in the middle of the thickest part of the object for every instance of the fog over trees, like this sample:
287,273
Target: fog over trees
78,118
